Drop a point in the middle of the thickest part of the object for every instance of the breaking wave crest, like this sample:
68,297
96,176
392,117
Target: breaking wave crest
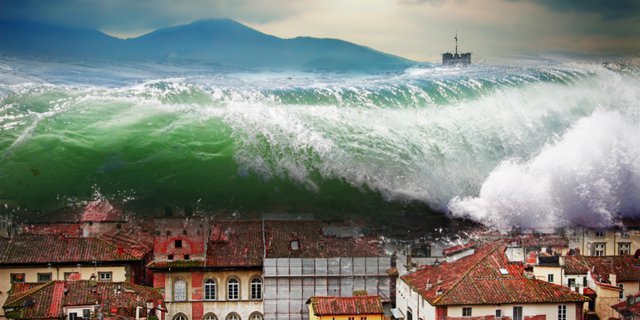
533,146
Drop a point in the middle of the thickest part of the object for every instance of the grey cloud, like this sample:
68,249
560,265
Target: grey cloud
607,9
131,15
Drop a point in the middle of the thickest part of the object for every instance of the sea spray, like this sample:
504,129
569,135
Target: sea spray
368,144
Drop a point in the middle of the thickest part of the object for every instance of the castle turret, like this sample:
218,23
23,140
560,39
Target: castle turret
456,58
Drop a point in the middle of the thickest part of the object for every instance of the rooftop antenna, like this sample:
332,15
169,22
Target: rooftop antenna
456,37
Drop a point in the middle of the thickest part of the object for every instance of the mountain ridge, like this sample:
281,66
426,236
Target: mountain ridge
224,42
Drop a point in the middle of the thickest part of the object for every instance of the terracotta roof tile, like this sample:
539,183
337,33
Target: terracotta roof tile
42,249
323,306
458,248
474,280
629,307
46,301
625,268
235,244
312,242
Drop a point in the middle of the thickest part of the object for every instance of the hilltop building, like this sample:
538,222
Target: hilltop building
452,59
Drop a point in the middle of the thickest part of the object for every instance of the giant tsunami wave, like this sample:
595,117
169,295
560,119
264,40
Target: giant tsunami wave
530,145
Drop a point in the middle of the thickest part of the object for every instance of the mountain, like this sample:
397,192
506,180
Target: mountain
22,38
221,42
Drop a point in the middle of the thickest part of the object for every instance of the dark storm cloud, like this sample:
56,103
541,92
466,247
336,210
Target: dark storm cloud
132,15
607,9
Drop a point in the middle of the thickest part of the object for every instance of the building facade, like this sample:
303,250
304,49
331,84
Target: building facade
307,258
486,284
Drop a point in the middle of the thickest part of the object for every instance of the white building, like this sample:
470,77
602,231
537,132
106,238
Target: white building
484,284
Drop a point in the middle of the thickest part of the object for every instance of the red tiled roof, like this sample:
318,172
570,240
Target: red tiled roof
541,240
323,306
235,244
624,267
101,211
631,306
48,299
313,243
458,248
477,279
43,249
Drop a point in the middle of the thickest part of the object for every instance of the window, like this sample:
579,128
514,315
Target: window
178,243
517,313
186,257
363,318
180,291
562,312
70,276
498,313
180,316
170,257
409,314
86,314
17,278
351,318
625,234
105,276
599,249
571,283
233,316
256,316
233,289
210,316
621,294
256,289
550,277
599,234
73,316
210,289
44,277
624,248
295,245
466,312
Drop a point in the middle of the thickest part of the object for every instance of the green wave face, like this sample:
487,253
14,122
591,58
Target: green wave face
324,143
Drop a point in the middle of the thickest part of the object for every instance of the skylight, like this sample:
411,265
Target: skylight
504,271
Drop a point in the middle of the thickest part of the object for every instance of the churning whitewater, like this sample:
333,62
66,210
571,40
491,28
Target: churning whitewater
532,145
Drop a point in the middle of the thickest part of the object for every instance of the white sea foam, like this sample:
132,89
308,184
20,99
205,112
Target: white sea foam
588,177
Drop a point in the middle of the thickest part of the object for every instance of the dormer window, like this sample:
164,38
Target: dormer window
295,245
599,234
170,257
178,244
186,257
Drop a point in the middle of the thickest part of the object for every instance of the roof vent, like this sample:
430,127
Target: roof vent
439,292
439,280
504,271
428,285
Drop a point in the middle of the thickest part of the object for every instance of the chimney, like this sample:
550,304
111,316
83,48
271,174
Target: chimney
612,280
515,253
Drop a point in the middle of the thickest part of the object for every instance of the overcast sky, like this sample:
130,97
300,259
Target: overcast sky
416,29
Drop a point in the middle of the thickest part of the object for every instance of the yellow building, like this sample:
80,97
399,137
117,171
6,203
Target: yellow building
594,242
345,308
